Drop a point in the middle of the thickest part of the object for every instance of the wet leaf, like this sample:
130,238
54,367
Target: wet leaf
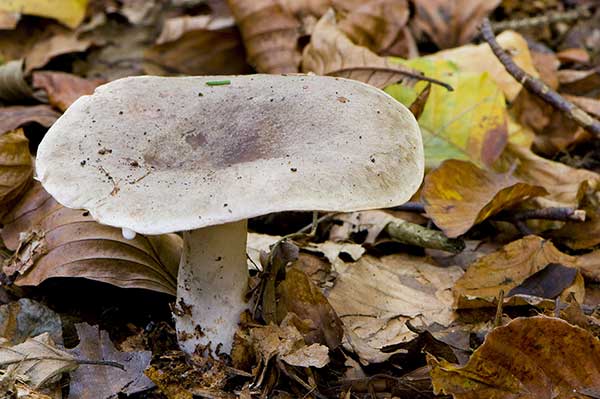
469,123
297,294
509,268
53,241
16,167
68,12
459,195
63,88
375,298
564,183
106,381
451,23
37,358
529,358
512,42
17,116
331,53
270,35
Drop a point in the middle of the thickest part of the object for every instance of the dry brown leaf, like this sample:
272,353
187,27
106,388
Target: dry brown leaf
270,35
376,297
582,235
16,116
564,183
529,358
54,241
14,87
63,88
197,46
451,23
27,318
546,63
299,295
589,264
512,42
508,268
9,20
62,43
458,195
376,24
16,167
579,82
331,53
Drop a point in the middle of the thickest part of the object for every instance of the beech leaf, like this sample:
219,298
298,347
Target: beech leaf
68,12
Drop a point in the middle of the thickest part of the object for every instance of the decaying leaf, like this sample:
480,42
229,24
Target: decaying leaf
331,53
451,23
376,297
512,42
16,116
529,358
25,319
468,123
507,269
565,184
297,294
375,24
38,359
582,235
92,381
54,241
68,12
16,167
270,35
459,195
62,88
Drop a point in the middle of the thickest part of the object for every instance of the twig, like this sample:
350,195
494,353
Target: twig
414,234
552,213
498,318
550,18
415,207
537,87
391,70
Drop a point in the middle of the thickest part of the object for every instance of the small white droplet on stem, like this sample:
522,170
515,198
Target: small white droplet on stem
128,234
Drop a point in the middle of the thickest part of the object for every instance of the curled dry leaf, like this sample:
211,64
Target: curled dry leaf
564,184
331,53
68,12
375,298
529,358
62,43
16,167
469,123
13,85
511,41
451,23
270,35
53,241
16,116
63,88
459,195
507,269
376,24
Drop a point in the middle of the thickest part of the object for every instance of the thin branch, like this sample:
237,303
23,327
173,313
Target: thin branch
414,234
557,213
582,11
396,71
415,207
537,87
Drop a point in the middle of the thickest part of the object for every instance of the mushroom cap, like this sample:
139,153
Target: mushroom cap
159,155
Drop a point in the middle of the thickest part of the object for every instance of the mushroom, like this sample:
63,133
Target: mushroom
201,155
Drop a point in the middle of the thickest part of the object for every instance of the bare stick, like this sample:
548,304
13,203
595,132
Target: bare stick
550,18
414,234
558,213
537,87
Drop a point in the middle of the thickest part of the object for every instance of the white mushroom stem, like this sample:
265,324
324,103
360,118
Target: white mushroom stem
128,234
212,282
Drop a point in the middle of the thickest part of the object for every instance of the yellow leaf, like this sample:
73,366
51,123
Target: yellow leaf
68,12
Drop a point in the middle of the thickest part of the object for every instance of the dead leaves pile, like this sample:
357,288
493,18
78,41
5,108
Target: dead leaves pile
506,224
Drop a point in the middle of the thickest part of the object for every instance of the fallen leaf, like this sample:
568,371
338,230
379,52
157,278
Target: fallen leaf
37,358
545,63
17,116
13,84
375,298
270,35
512,42
589,264
375,24
297,294
578,82
9,20
469,123
586,234
62,43
54,241
451,23
27,318
314,355
68,12
176,27
563,183
508,268
575,55
331,53
529,358
16,167
63,88
458,195
95,382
